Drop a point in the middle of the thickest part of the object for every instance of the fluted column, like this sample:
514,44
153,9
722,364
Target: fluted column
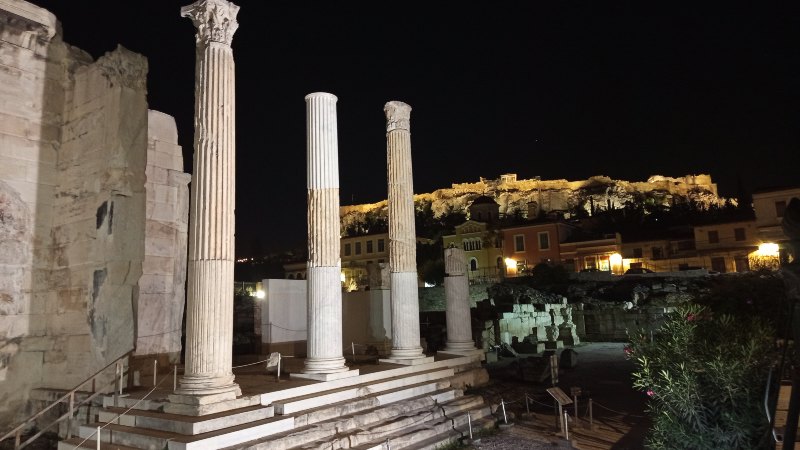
209,316
324,343
402,236
456,291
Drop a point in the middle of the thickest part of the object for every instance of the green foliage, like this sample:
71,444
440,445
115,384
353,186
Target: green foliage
760,294
430,262
548,277
705,375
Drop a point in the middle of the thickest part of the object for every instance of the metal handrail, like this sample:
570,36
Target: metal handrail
17,432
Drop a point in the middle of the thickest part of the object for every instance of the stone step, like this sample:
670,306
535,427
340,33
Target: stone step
442,393
302,402
144,438
451,412
423,431
311,396
455,435
365,378
148,404
345,417
78,443
187,425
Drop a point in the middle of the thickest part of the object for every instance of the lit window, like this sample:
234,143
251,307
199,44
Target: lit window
519,243
544,240
739,234
713,237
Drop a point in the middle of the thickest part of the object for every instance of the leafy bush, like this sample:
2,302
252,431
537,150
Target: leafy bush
705,376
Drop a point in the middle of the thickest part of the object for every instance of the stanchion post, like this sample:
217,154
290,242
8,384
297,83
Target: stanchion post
175,378
503,406
469,423
69,419
353,345
278,373
98,438
566,426
557,411
591,416
155,371
575,391
527,405
560,418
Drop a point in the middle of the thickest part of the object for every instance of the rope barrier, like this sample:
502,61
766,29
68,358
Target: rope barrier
617,412
253,364
119,415
284,328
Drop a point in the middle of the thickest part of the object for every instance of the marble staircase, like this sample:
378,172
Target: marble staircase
415,407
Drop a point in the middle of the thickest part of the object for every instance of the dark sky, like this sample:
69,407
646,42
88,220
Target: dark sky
557,89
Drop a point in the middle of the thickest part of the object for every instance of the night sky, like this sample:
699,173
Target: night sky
557,89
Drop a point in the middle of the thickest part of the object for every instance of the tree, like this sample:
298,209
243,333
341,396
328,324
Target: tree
705,376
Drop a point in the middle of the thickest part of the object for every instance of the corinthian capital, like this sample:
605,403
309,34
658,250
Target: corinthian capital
398,116
215,20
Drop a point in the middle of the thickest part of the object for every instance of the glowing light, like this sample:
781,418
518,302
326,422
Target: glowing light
511,263
768,249
343,277
260,294
616,259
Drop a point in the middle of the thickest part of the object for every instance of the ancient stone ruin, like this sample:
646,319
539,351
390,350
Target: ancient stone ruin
93,212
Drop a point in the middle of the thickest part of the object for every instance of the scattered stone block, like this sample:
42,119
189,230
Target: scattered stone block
568,358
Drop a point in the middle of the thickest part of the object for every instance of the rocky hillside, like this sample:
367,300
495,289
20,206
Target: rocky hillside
533,196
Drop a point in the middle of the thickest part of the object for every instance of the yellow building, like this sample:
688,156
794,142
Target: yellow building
726,247
769,206
358,254
482,248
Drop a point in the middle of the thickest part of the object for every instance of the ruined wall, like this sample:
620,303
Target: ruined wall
98,231
31,77
162,284
73,203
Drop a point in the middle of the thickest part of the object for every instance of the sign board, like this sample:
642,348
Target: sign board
560,396
274,359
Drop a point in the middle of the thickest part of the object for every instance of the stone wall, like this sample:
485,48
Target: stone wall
162,286
433,299
74,212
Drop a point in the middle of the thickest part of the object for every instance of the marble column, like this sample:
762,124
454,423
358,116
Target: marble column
457,312
324,360
406,347
208,377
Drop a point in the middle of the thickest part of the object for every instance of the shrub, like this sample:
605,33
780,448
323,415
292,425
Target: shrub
705,376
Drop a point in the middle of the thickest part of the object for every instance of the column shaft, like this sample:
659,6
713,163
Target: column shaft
209,320
457,312
402,234
324,262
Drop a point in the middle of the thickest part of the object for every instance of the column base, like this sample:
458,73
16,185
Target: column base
325,376
208,401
